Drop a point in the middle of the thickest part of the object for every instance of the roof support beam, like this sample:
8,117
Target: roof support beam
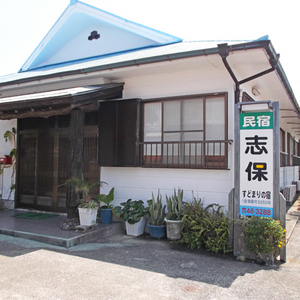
223,50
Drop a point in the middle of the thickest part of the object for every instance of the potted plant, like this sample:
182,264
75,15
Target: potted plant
134,214
157,228
106,210
88,207
174,215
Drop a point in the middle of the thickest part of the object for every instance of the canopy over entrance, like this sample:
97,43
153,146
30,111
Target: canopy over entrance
58,102
57,139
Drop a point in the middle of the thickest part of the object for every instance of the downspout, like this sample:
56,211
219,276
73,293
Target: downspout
223,50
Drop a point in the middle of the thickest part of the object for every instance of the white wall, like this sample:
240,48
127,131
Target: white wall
212,186
5,148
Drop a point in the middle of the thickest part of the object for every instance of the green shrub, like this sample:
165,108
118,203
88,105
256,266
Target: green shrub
217,234
264,235
205,227
193,228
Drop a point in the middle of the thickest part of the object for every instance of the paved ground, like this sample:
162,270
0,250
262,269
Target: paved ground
123,267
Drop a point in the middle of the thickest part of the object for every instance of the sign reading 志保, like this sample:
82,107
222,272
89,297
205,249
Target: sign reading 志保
256,164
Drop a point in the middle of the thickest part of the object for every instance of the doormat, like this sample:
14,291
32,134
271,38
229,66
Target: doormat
34,216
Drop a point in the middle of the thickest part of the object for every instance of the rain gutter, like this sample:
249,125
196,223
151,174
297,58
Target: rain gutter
137,62
224,49
259,44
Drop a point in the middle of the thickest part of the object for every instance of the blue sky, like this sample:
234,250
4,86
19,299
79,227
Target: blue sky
23,24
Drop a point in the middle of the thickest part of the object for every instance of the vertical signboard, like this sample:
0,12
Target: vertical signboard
256,164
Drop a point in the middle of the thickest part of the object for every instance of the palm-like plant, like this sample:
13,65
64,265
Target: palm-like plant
84,189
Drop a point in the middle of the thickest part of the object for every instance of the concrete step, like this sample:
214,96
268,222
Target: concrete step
48,230
82,238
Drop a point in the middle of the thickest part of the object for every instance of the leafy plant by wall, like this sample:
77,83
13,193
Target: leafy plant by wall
205,227
217,234
193,228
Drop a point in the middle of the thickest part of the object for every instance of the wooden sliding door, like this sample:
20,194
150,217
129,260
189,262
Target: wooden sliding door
43,155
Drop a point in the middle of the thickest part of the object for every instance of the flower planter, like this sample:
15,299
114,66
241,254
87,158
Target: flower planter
174,229
87,216
136,229
157,232
106,215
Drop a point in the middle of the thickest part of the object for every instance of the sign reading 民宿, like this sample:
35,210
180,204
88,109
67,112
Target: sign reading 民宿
256,164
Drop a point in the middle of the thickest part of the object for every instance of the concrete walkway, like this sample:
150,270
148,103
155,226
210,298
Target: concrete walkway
124,267
292,217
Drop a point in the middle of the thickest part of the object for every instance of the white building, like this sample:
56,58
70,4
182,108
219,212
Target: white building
159,110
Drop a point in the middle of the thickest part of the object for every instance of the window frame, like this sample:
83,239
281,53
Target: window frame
213,164
283,149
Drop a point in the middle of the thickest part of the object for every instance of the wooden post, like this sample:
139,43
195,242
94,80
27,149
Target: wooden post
75,158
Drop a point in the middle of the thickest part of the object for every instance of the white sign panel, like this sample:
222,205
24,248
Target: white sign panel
256,164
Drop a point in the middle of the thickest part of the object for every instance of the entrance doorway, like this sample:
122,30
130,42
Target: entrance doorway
43,160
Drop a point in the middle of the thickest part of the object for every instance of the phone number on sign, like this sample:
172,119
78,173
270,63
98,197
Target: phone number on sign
253,211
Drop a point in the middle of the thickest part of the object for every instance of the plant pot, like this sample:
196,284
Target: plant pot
174,229
87,216
106,215
156,231
136,229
